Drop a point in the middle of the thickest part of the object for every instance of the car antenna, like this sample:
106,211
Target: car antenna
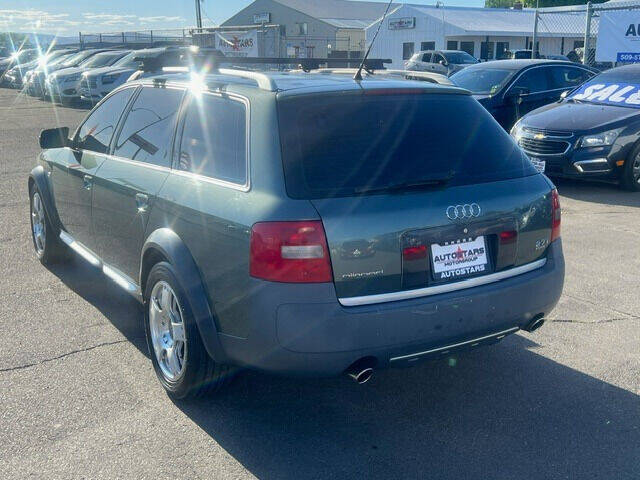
358,75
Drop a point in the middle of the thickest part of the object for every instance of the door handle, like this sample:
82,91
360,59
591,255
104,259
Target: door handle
87,182
142,202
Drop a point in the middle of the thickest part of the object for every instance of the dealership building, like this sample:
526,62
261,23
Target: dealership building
342,28
485,33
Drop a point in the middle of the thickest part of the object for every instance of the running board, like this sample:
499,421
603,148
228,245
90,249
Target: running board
123,281
447,348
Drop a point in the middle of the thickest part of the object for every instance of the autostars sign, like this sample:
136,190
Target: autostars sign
619,37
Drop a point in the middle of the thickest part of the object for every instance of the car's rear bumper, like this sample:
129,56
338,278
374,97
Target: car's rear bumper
302,329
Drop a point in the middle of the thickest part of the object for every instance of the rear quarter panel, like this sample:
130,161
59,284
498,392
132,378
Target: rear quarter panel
214,221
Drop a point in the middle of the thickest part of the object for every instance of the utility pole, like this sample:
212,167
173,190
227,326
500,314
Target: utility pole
198,15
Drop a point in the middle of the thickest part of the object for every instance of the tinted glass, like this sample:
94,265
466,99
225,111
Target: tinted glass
147,132
128,61
382,140
460,58
101,60
214,139
437,58
568,77
534,80
78,58
481,80
96,132
426,57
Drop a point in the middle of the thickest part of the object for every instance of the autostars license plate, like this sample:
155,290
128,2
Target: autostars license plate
459,259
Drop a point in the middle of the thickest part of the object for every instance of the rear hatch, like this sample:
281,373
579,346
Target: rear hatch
414,188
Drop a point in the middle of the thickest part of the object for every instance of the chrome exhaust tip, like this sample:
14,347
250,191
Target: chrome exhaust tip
361,370
535,324
361,376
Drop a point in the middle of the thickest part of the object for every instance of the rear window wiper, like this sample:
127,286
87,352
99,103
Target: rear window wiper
411,185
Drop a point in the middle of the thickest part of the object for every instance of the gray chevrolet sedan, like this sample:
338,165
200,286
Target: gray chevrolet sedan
301,224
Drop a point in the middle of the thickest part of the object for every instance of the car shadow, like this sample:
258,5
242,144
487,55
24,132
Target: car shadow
121,309
597,192
500,412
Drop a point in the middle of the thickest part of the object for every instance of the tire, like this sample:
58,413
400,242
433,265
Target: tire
177,352
630,179
49,249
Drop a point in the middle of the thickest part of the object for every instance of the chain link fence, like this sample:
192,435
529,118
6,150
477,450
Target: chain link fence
573,31
136,39
252,40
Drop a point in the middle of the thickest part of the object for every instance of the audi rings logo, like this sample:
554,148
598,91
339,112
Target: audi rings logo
461,212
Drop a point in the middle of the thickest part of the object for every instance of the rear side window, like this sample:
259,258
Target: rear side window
534,80
214,139
568,77
96,132
147,132
340,145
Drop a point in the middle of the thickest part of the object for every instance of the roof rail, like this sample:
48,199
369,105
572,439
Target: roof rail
265,82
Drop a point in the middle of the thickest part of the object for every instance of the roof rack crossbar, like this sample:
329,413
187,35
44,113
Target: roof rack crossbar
265,82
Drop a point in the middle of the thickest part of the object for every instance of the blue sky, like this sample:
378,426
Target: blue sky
67,17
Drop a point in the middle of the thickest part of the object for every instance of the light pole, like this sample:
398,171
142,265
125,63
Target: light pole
198,15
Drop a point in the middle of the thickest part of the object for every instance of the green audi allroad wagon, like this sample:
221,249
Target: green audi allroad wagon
301,224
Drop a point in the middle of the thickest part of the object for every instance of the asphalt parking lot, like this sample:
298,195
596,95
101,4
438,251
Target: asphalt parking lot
79,398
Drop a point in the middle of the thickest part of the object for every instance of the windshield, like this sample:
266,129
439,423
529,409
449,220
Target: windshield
128,61
77,58
383,141
482,81
460,58
101,60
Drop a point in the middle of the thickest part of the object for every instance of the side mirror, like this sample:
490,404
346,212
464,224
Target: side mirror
444,63
54,138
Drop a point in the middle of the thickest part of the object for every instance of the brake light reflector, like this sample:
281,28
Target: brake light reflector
414,253
555,215
508,236
293,252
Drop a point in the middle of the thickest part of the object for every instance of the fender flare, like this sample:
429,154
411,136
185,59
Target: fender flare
38,177
169,245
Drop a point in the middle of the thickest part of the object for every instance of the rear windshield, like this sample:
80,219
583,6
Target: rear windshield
350,144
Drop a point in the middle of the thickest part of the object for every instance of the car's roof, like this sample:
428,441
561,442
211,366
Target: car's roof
300,82
517,64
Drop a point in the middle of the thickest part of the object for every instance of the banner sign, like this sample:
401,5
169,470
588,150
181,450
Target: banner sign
262,17
626,94
402,23
619,36
238,44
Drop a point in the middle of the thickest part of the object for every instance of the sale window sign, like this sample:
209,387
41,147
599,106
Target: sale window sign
619,36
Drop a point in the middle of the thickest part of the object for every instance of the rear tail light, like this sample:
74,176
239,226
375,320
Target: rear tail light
508,236
555,215
294,252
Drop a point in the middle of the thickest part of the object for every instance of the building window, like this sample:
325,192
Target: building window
501,50
486,50
407,50
301,28
428,46
452,45
467,47
310,52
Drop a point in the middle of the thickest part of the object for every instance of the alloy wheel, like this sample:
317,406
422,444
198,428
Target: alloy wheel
38,223
166,325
